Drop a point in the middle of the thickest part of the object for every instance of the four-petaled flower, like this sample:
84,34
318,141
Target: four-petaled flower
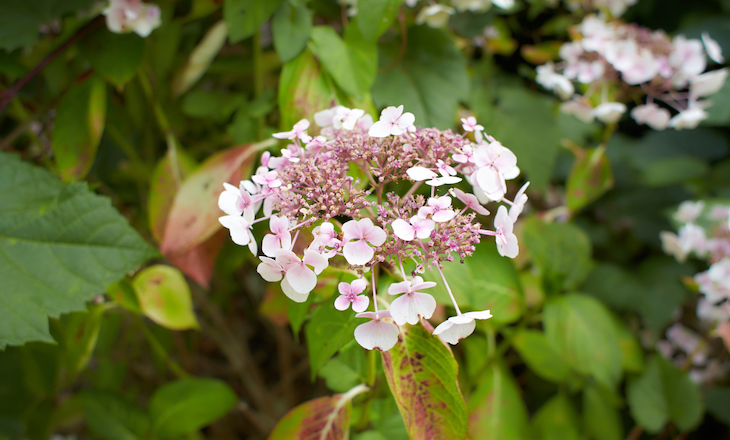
359,235
414,304
299,277
459,327
506,240
470,124
495,164
270,179
439,208
418,227
350,294
280,238
298,131
392,122
376,334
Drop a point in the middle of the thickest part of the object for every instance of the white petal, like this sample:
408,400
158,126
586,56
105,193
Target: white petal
481,314
403,310
293,294
358,253
456,332
316,260
270,270
403,229
342,303
377,335
420,173
360,303
301,278
380,129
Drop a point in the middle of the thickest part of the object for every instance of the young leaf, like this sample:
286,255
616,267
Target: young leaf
539,355
303,90
422,375
116,57
590,177
245,17
61,245
291,27
78,128
200,58
375,17
496,408
187,405
326,332
111,417
164,297
581,331
556,420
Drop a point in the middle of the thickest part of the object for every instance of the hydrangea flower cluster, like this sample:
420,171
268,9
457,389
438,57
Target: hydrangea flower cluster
340,185
711,243
132,16
639,61
685,347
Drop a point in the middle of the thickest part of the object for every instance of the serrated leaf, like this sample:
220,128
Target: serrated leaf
164,297
325,418
375,17
429,81
114,56
496,408
581,331
422,375
200,58
187,405
556,420
539,355
193,218
303,89
245,17
351,62
291,27
589,179
60,245
112,417
326,332
78,127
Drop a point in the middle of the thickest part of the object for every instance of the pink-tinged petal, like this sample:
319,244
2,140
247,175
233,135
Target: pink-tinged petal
301,278
344,288
418,284
391,114
403,229
510,248
444,326
424,227
488,180
358,253
424,304
406,120
351,230
456,332
300,126
443,202
402,309
278,225
287,258
368,315
398,288
284,135
380,129
506,160
360,303
238,229
316,260
358,286
425,211
377,335
270,245
293,294
270,270
502,220
420,173
481,314
375,235
342,303
443,216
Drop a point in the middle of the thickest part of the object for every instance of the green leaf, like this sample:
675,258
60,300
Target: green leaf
717,400
485,281
200,58
115,56
123,293
632,356
164,184
325,418
664,394
539,355
187,405
601,419
78,127
351,62
80,333
556,420
581,331
112,417
590,177
291,27
245,17
164,297
429,81
60,245
674,170
303,90
326,332
375,17
562,251
496,408
422,375
20,19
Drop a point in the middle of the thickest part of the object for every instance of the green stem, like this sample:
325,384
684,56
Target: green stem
174,367
372,364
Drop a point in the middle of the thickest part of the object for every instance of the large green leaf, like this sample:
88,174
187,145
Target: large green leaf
496,408
78,128
20,20
245,17
429,80
187,405
115,56
291,27
60,245
581,331
112,417
351,62
556,420
540,356
422,375
375,16
303,90
327,332
164,297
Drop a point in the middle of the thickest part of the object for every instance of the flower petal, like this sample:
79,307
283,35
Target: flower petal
358,252
293,294
358,286
398,288
424,304
380,129
403,229
360,303
342,303
316,260
420,173
402,310
377,335
270,270
456,332
481,314
301,278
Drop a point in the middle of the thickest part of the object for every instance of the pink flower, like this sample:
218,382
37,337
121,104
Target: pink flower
519,203
495,164
688,56
240,229
445,179
418,227
392,122
234,201
291,153
471,201
325,235
316,144
506,241
346,118
359,235
465,156
299,131
439,208
652,115
470,124
376,334
280,238
459,327
689,211
350,294
414,304
299,277
270,179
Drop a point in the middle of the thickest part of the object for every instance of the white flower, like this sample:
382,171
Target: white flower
708,83
459,327
688,56
689,118
689,211
132,16
376,334
414,304
435,15
652,115
392,122
346,118
580,110
609,112
713,49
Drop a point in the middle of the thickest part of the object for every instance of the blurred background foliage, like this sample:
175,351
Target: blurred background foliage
158,327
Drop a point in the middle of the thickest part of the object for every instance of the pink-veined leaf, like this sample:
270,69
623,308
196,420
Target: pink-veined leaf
422,374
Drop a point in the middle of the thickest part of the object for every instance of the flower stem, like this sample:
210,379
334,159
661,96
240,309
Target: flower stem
448,289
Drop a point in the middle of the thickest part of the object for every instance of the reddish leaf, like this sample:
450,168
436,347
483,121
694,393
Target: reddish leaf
193,218
325,418
163,187
422,374
199,261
